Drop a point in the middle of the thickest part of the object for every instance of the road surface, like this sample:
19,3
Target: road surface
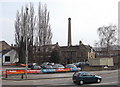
109,78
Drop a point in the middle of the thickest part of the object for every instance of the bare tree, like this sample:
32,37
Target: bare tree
43,30
32,25
24,26
36,29
107,35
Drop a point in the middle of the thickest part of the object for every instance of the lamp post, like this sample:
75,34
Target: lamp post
26,42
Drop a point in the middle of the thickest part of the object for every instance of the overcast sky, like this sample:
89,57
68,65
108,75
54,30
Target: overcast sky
86,17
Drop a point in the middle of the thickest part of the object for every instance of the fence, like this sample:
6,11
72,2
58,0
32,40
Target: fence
23,71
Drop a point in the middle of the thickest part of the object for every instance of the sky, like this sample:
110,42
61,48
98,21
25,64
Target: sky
86,17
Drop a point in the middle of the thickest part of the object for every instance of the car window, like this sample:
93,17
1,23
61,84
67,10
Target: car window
75,74
88,74
85,74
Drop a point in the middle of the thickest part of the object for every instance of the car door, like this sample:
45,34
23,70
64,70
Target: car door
91,77
88,77
85,77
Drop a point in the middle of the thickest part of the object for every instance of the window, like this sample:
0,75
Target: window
7,58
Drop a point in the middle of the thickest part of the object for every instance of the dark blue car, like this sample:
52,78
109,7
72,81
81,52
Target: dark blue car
85,77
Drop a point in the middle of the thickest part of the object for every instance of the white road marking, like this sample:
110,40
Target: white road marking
105,83
112,77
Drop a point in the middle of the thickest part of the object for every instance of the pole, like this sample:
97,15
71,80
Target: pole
26,57
26,45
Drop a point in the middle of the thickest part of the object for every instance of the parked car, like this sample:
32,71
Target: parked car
43,65
48,67
70,66
85,77
58,66
79,64
51,64
31,64
36,67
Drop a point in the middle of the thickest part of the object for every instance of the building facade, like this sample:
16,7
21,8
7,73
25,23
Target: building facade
43,53
67,54
114,52
77,53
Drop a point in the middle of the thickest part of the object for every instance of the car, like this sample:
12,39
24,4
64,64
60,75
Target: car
48,67
43,65
85,77
58,66
35,67
51,64
70,66
31,64
79,64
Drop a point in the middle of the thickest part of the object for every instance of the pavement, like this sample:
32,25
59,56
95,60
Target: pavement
51,75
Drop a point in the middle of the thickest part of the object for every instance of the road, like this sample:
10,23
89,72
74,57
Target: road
109,78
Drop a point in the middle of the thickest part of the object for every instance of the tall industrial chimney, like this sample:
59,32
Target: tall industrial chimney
69,32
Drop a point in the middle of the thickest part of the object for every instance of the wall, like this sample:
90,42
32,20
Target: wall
101,62
94,62
97,68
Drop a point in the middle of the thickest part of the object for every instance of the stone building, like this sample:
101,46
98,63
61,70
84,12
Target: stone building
68,54
77,53
43,53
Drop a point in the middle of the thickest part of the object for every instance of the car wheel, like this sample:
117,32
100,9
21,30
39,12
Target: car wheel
74,81
81,82
98,80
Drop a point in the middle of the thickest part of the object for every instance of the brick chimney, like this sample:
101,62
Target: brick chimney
69,32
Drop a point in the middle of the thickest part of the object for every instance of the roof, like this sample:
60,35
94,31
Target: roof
5,51
4,45
76,47
69,46
83,72
114,47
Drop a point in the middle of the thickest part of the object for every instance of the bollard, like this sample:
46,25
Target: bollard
22,76
6,75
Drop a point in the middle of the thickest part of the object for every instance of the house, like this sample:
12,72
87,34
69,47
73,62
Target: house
9,56
8,53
